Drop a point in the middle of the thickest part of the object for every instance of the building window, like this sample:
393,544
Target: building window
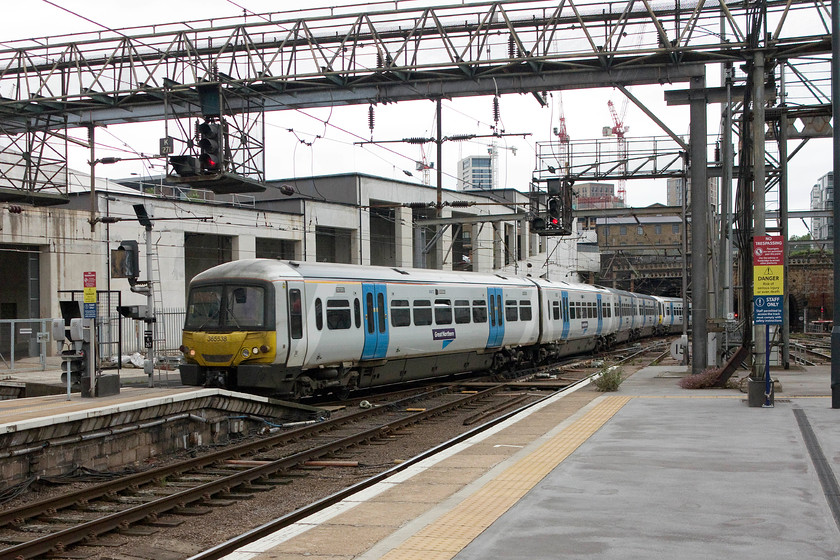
640,230
675,228
622,230
658,229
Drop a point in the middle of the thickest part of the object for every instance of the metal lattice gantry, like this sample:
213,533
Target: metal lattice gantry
333,56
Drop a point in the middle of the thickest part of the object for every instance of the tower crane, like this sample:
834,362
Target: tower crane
619,129
563,139
493,150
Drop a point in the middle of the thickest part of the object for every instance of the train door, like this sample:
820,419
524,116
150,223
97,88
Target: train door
600,316
495,313
375,304
565,309
296,322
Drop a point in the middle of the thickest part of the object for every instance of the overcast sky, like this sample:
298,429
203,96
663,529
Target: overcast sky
313,147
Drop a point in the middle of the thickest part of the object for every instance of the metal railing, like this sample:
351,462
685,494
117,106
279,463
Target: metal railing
170,326
23,344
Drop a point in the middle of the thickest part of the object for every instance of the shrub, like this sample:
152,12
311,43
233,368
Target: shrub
704,380
609,379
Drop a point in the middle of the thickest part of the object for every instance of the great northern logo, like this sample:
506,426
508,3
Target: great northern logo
446,335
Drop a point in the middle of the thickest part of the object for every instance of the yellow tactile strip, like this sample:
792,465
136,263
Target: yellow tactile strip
447,536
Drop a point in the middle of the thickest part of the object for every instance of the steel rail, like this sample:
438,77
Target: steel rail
17,515
89,531
232,545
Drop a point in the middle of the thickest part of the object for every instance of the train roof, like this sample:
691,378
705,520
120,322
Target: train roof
274,270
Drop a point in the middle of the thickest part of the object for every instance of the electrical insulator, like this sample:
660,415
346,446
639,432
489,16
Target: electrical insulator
511,47
496,109
15,209
371,118
461,203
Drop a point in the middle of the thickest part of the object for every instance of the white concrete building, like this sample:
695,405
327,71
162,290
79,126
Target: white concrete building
822,198
350,218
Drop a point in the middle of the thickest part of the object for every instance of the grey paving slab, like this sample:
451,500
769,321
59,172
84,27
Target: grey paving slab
676,475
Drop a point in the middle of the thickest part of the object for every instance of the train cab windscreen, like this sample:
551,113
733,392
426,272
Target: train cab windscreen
226,307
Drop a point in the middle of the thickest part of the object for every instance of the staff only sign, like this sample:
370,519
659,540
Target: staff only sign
768,279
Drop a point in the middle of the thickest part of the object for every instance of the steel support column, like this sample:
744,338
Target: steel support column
699,226
725,254
759,195
783,222
835,105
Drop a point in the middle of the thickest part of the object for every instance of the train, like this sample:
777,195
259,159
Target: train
297,329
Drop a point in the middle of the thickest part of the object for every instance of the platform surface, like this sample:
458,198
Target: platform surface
651,471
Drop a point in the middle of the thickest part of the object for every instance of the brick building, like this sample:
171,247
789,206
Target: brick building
642,253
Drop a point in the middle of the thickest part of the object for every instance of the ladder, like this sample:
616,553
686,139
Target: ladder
158,330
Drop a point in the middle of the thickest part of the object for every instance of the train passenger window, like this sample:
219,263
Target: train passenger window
319,314
371,326
443,312
479,312
357,312
338,314
573,311
499,310
383,312
492,311
295,315
525,310
422,312
400,313
555,310
511,311
462,311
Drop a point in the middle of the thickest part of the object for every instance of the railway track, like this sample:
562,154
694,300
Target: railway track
212,480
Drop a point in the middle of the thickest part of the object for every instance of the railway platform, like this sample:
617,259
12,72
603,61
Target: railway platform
651,471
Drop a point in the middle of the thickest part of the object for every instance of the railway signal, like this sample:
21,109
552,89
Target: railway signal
211,145
557,218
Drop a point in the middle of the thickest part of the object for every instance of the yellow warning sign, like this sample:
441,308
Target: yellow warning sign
768,280
90,295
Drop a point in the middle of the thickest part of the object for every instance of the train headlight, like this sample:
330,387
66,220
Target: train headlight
264,349
245,352
255,350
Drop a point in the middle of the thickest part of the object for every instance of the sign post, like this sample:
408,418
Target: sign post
90,316
768,294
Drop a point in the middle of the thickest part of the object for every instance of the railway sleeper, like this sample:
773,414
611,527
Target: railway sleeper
191,511
235,496
217,502
45,527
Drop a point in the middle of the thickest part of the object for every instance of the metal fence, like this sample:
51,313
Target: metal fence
24,343
170,325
